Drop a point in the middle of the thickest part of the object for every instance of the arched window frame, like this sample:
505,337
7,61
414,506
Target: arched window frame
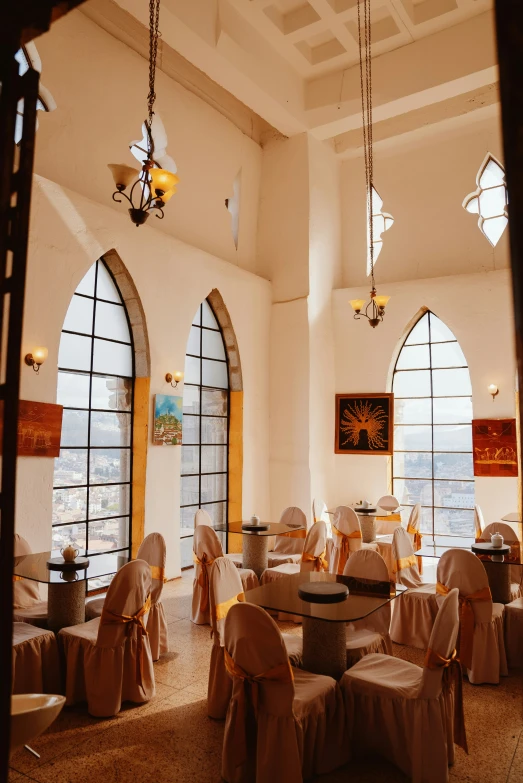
128,410
437,426
186,530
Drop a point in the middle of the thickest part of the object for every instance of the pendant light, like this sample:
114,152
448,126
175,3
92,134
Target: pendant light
152,187
374,310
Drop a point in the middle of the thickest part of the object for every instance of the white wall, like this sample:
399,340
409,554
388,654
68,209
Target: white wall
100,87
68,233
423,185
478,310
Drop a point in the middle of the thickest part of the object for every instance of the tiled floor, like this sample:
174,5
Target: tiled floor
171,739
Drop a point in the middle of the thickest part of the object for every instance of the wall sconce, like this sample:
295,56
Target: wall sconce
177,377
37,358
493,389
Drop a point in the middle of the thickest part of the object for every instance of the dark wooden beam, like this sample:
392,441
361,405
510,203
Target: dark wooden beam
509,30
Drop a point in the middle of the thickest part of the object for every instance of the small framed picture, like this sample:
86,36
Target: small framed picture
168,415
364,424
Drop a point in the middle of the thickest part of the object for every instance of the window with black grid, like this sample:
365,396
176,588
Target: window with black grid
432,462
92,477
205,440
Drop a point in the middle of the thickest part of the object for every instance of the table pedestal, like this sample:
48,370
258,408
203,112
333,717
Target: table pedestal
324,647
499,581
256,553
65,604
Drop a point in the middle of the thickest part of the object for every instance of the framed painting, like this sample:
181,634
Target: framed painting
364,424
168,414
494,446
39,428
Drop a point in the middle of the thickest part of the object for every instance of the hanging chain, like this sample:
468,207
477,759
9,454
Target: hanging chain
154,18
365,43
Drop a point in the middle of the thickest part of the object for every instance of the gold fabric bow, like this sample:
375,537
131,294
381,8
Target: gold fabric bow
466,620
247,703
112,618
404,562
221,610
203,579
320,564
344,546
417,537
452,676
157,572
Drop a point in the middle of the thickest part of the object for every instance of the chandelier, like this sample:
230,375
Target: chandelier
153,186
374,310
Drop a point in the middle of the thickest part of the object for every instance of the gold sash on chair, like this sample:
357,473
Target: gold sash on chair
452,675
157,572
320,564
298,533
247,712
222,609
466,619
111,618
203,579
344,545
413,531
404,562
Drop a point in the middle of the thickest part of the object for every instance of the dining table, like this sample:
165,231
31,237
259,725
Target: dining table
66,587
375,521
500,563
324,624
255,543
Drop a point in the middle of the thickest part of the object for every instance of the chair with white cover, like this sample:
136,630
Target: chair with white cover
206,549
312,558
388,503
36,663
225,590
283,725
346,535
108,659
153,551
479,522
203,518
510,537
319,512
514,633
28,606
372,633
481,642
385,541
414,611
412,715
288,547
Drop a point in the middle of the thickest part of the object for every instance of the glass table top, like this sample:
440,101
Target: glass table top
34,567
364,597
274,529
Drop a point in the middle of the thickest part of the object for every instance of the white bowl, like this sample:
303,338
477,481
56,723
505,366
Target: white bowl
31,714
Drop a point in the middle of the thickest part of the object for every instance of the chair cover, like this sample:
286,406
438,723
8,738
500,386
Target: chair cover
27,603
225,590
510,537
108,659
346,536
409,714
292,543
479,522
481,643
514,633
202,518
153,551
388,503
414,612
36,665
319,510
370,635
206,549
312,559
283,725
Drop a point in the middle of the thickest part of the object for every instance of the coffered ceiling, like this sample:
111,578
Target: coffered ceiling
294,63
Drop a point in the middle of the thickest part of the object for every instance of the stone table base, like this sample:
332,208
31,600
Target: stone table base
324,647
499,581
65,604
255,553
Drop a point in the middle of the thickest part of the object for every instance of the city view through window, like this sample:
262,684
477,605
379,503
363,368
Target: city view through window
92,476
432,462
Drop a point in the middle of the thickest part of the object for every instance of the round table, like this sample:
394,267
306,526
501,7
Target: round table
498,571
255,545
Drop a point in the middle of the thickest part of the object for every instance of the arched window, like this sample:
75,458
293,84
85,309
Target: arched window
92,477
432,462
205,440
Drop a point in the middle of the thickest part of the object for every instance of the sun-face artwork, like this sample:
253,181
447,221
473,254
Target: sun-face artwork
364,424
